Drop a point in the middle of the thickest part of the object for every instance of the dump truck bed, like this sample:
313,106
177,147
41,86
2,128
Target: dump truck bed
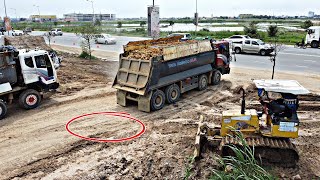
141,76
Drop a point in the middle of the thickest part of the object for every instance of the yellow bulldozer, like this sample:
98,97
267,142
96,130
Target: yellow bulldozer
268,132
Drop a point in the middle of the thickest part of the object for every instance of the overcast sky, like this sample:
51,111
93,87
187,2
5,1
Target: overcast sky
168,8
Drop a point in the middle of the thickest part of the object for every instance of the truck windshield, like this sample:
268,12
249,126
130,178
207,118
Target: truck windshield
261,42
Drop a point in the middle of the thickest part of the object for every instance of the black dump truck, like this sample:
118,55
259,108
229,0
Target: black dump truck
163,78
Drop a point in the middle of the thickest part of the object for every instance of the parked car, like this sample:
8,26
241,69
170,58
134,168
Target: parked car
186,36
56,32
105,39
27,30
237,38
252,46
16,33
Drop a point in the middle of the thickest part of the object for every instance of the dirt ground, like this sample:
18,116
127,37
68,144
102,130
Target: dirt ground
35,144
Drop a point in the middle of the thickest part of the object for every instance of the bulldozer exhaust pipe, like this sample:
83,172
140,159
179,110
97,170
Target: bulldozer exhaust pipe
243,104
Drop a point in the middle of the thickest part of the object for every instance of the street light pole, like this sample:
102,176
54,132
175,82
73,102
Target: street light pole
15,11
94,16
38,13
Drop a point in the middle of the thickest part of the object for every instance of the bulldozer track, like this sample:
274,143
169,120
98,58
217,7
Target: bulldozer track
267,150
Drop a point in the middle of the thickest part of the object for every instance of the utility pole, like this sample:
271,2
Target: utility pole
196,16
5,10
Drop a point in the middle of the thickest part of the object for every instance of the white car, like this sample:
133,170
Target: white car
105,39
16,33
237,38
56,32
253,46
186,36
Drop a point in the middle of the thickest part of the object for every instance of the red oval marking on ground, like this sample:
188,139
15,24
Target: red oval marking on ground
116,114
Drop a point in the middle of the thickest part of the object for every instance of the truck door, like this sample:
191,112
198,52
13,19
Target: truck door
28,70
44,67
255,47
246,46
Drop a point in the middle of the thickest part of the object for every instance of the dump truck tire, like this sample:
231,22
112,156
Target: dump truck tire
172,93
3,109
203,82
29,99
216,78
158,100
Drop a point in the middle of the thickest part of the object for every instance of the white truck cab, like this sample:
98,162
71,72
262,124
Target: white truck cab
313,36
25,75
37,65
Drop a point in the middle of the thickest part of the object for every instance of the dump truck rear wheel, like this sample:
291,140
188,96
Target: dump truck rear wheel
157,100
216,78
172,93
29,99
3,109
203,82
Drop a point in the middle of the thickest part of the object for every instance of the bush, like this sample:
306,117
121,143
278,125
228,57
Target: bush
85,55
273,31
307,24
252,30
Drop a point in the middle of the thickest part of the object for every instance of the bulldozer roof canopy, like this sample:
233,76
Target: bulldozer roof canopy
281,86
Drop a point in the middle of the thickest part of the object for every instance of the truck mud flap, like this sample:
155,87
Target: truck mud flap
121,98
144,102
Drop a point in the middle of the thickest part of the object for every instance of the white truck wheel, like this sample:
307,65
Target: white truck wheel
3,109
29,99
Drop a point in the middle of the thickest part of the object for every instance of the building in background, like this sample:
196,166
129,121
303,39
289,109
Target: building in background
311,14
154,21
246,16
43,18
88,17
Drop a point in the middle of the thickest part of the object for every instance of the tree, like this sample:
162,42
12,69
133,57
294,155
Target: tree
142,23
97,22
252,30
48,35
171,23
55,23
119,24
273,31
307,24
87,32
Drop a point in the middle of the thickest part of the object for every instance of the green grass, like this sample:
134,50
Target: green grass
285,37
241,166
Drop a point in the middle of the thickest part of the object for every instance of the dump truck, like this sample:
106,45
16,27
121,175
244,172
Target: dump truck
26,75
155,72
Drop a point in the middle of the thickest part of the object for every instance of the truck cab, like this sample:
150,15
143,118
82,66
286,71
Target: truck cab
25,75
313,36
37,67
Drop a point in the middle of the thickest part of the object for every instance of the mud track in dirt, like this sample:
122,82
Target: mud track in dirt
35,144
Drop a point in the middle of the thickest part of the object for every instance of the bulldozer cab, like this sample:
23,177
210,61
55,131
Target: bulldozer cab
280,102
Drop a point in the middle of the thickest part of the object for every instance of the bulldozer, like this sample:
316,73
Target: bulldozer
268,132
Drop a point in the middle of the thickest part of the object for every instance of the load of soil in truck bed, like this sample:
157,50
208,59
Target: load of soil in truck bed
170,48
27,42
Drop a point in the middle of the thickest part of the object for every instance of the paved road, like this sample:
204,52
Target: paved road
289,59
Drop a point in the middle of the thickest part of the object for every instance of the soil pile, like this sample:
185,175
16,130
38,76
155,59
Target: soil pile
27,42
